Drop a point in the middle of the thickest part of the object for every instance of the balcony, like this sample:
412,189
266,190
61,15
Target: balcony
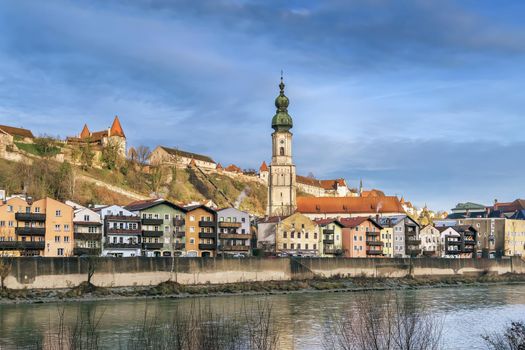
328,231
234,236
330,251
224,224
30,231
452,251
86,236
411,241
86,251
207,246
207,235
146,233
429,252
152,222
30,217
179,234
372,233
178,222
468,250
455,243
413,252
152,246
124,231
122,245
122,218
179,246
230,248
22,245
328,241
203,223
375,243
374,252
470,242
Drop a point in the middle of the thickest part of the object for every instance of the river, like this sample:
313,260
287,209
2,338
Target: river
300,319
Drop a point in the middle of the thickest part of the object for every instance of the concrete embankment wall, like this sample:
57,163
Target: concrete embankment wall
44,273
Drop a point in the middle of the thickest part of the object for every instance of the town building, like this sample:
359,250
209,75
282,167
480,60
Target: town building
406,241
282,187
297,235
10,134
266,232
361,237
387,237
491,235
201,231
98,140
87,231
162,224
331,231
234,232
430,241
121,232
514,237
162,155
459,241
468,209
346,207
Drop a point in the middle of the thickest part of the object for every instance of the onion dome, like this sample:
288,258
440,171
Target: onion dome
282,121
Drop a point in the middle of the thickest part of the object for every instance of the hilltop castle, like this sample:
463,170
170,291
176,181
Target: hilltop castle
113,135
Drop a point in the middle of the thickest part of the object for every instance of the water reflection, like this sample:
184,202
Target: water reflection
301,319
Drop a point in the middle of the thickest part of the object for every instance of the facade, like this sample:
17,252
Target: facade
459,241
201,231
347,207
234,231
361,238
491,235
162,224
431,241
87,231
113,135
514,237
387,237
9,134
281,178
297,235
121,232
266,232
331,231
179,158
406,241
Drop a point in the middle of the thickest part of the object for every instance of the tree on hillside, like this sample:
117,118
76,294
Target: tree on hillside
157,175
110,155
64,182
86,155
143,154
46,146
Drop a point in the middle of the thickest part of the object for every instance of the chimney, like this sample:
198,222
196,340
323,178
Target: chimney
377,218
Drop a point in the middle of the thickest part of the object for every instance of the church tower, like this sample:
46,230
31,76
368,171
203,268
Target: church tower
281,180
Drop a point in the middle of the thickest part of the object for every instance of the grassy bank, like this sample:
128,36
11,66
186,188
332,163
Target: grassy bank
172,289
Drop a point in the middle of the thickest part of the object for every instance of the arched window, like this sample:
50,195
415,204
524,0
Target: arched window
281,151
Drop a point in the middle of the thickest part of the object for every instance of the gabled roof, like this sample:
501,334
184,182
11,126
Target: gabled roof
263,167
11,130
219,166
150,203
518,204
85,133
332,184
468,206
353,222
373,193
179,153
352,205
116,128
518,215
324,222
272,219
193,207
233,168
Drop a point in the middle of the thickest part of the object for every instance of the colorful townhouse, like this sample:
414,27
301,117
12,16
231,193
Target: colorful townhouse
514,237
406,242
297,235
162,224
387,237
201,231
122,232
331,231
431,241
234,232
361,237
87,230
459,241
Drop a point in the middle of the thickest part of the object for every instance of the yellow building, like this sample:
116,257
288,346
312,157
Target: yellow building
514,237
332,236
44,227
298,235
387,234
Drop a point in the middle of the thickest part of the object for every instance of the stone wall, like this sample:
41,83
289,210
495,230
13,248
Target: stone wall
43,273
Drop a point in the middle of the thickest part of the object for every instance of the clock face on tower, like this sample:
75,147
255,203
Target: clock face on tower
282,142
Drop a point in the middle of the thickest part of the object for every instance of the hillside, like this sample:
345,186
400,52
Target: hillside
128,183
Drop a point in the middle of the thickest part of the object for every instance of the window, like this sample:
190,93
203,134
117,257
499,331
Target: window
66,227
66,239
306,246
192,218
57,239
355,237
306,236
166,229
315,235
58,212
57,227
192,229
357,228
281,151
292,234
10,224
284,246
243,220
37,210
298,245
315,246
166,216
302,225
86,217
60,251
10,208
292,246
299,235
285,234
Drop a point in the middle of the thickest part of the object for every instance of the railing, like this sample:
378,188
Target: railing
328,241
452,251
413,241
228,248
122,245
374,243
328,231
122,218
453,242
234,236
207,235
413,251
153,222
146,233
22,245
87,236
178,222
152,245
204,223
30,217
86,251
207,246
374,252
225,224
470,241
179,234
372,233
33,231
179,246
124,231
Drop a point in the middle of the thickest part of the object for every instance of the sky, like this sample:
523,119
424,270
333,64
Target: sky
422,99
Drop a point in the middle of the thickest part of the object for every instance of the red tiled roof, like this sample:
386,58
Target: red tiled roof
332,184
233,168
272,219
518,204
219,166
263,167
353,222
85,133
353,205
116,128
323,222
373,193
17,131
307,181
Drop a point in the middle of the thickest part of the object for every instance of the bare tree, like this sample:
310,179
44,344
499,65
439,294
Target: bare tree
5,269
143,154
512,339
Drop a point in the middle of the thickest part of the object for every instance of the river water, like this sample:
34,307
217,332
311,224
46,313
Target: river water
300,319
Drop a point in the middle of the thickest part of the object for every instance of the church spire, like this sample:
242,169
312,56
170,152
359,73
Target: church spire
282,121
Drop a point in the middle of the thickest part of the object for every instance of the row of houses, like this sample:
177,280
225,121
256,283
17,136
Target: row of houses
156,227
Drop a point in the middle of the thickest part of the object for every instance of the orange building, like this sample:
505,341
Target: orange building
44,227
201,231
361,238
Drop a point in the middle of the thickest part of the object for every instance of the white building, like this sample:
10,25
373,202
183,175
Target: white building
121,232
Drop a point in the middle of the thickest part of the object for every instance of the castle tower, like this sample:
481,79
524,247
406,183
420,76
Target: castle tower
281,180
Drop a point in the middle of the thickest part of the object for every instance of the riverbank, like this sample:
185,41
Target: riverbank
171,289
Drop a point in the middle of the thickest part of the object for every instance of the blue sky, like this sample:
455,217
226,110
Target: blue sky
419,98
